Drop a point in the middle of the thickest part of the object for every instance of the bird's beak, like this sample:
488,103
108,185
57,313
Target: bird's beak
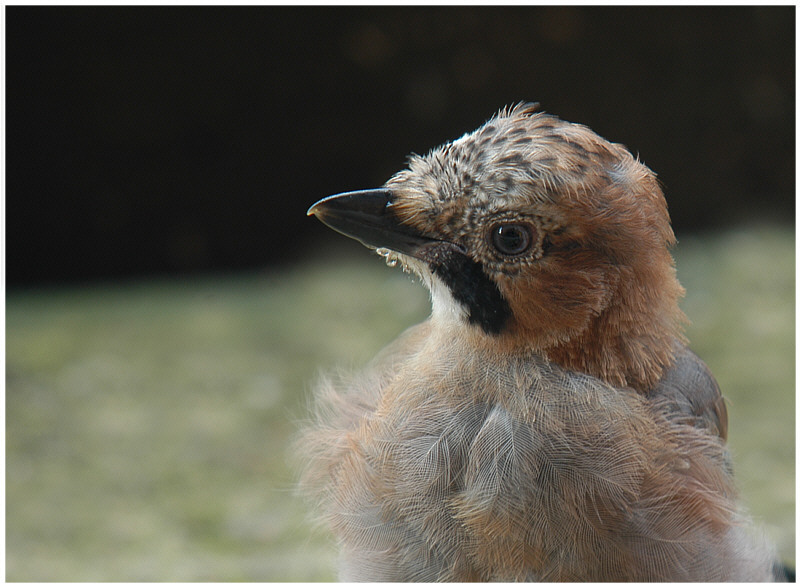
367,216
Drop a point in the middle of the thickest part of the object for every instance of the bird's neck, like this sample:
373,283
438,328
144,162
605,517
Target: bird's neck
633,341
636,361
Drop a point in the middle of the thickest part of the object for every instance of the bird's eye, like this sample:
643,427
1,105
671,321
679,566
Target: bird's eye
511,239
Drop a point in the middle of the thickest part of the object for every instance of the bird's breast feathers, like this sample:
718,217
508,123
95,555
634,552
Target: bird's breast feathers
463,465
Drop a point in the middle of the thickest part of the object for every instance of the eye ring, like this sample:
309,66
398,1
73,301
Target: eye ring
512,238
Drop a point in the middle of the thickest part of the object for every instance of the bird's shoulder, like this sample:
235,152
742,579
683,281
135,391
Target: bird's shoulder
689,393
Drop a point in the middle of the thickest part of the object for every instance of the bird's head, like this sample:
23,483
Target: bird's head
535,235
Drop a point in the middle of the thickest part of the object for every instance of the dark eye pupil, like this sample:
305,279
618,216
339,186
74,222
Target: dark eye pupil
511,239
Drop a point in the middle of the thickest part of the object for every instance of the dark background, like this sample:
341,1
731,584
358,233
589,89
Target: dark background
174,140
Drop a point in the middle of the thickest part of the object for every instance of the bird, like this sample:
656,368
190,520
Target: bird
547,421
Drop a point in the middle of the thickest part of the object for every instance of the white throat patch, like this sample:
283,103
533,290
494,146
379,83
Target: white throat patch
444,307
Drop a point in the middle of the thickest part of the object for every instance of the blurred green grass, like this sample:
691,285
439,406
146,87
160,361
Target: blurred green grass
148,424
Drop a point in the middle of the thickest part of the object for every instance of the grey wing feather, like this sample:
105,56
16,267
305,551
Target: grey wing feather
689,393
